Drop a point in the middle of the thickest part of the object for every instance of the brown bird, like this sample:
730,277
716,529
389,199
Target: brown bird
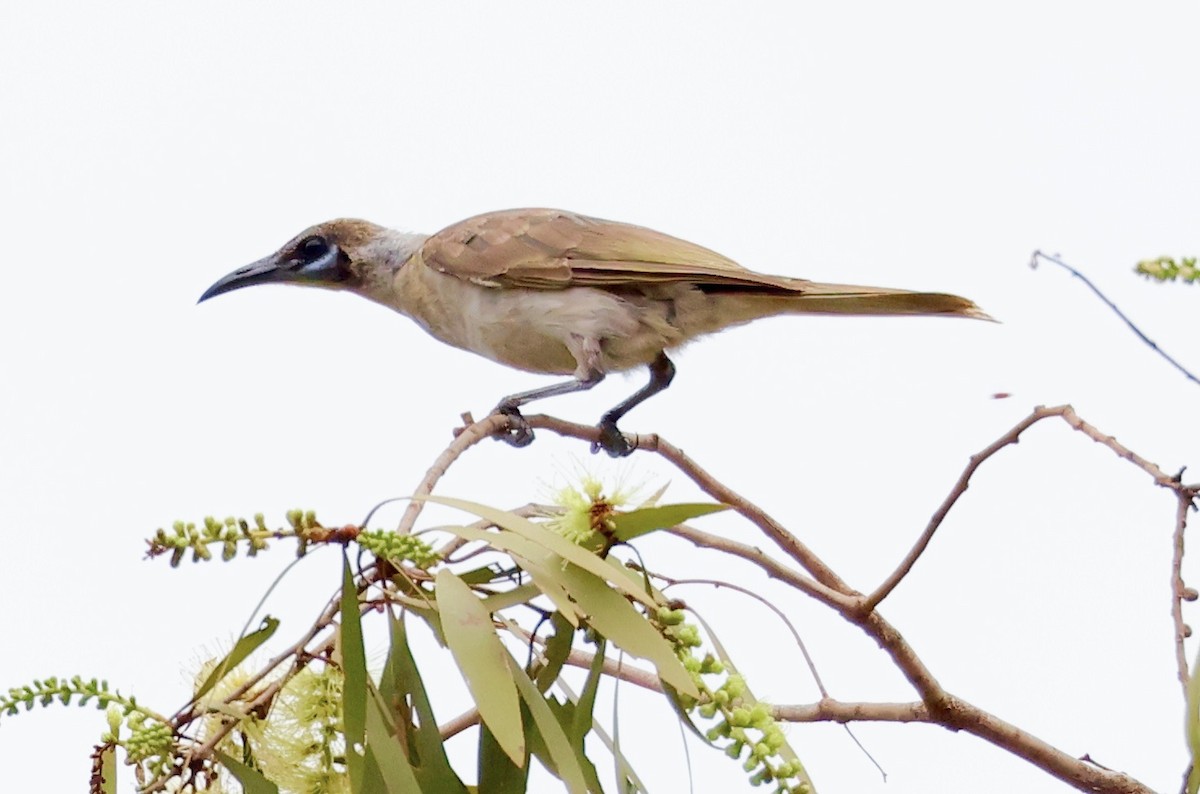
555,292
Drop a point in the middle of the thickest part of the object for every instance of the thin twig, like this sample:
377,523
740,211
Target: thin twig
717,583
1068,415
470,435
467,719
1153,346
960,487
771,566
1178,590
808,660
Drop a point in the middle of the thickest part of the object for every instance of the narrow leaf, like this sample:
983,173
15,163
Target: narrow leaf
632,783
401,692
614,617
354,676
251,779
547,540
628,526
372,777
582,721
385,751
497,772
557,649
534,560
487,573
566,763
241,649
482,661
547,580
509,598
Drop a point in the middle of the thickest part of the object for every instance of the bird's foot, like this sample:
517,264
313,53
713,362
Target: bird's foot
518,433
612,440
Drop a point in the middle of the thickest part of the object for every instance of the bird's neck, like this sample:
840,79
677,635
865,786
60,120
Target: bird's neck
387,252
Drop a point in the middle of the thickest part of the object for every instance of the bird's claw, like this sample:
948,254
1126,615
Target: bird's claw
612,441
518,433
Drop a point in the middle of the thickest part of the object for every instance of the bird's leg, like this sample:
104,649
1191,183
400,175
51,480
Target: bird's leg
519,433
612,440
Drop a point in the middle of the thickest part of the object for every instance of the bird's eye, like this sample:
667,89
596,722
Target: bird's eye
313,248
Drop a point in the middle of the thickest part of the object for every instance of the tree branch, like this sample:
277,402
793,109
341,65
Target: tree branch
1138,331
1179,591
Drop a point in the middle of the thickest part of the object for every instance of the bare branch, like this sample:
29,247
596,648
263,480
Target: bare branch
1068,415
771,566
466,438
1138,331
962,716
829,710
1179,591
467,719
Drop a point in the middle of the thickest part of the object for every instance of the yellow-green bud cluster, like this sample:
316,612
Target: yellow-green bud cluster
1166,268
303,521
397,547
46,691
743,723
147,738
227,533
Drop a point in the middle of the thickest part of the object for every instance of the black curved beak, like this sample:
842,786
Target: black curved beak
264,271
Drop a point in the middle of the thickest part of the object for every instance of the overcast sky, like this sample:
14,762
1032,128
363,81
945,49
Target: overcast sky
148,148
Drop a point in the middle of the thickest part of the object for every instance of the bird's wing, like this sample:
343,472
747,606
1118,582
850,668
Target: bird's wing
553,249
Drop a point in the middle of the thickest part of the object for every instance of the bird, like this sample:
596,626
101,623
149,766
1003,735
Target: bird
556,292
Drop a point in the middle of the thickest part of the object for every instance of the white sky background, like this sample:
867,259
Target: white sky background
147,149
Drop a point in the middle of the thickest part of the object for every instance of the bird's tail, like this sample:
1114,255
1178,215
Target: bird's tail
809,297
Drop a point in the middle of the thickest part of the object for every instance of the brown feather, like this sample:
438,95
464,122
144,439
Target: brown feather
547,249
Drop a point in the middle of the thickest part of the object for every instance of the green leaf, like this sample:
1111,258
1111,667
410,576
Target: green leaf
354,675
582,719
564,712
566,764
372,776
483,662
497,772
632,782
401,692
533,559
627,526
557,649
485,574
547,540
614,617
106,782
251,779
546,577
241,649
509,598
386,752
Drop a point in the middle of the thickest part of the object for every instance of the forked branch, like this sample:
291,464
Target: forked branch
813,577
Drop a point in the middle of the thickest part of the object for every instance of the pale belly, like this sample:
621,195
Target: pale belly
537,330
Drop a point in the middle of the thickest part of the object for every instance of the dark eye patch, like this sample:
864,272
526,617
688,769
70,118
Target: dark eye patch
312,248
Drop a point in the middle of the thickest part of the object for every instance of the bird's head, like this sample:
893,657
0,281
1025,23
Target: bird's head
339,254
